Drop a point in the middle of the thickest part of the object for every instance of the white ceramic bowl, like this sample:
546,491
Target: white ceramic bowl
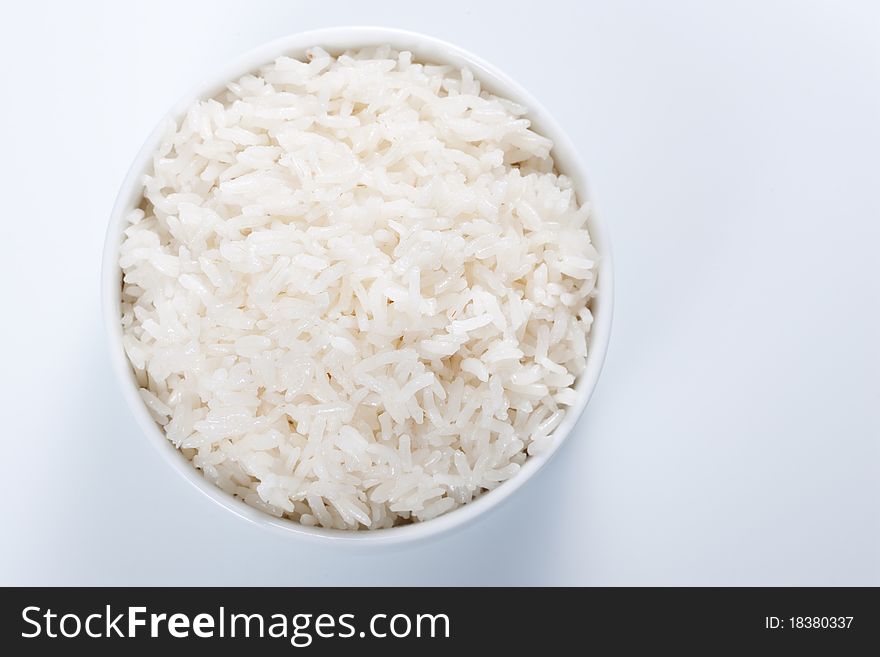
424,48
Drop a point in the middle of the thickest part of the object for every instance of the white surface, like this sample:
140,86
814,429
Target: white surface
734,437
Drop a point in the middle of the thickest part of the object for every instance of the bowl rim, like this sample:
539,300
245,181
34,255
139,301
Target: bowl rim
426,48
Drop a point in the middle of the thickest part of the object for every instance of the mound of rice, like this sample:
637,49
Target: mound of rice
356,292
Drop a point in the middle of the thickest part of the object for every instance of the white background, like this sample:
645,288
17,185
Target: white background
734,438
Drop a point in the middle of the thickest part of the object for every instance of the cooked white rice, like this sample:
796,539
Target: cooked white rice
356,292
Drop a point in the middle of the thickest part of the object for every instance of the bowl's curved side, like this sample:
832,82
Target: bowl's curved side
424,48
